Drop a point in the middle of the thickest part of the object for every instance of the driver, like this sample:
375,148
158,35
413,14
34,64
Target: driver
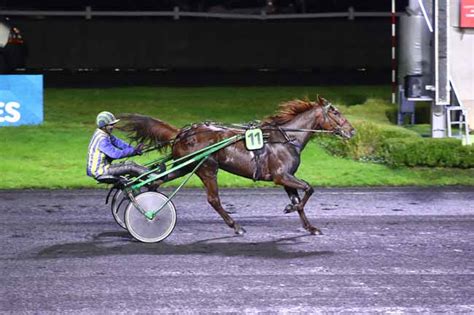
104,148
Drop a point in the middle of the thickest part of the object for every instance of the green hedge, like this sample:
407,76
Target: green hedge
368,142
427,152
398,146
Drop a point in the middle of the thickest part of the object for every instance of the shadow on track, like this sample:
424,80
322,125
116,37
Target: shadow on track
122,244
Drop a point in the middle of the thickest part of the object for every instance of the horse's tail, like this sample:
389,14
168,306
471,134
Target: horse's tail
148,130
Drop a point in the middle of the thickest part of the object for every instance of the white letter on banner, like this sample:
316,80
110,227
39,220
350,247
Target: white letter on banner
10,109
2,104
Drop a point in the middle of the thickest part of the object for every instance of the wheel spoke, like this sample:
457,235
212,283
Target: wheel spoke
151,230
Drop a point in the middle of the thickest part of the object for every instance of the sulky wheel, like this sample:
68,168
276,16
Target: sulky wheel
151,230
119,206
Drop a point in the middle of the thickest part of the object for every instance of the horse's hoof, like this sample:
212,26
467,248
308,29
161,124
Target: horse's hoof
240,230
314,231
290,208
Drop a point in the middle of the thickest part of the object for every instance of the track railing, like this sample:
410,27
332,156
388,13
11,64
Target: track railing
176,14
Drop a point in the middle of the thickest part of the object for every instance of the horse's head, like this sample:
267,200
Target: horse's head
334,121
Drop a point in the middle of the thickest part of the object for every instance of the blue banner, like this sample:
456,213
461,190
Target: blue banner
21,100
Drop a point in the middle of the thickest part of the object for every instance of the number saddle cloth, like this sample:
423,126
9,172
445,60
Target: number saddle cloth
255,141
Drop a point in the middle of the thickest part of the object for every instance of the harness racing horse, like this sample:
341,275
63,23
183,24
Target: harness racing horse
286,134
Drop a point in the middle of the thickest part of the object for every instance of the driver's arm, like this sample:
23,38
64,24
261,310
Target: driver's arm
107,147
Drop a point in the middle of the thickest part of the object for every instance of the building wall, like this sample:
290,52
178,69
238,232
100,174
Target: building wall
461,54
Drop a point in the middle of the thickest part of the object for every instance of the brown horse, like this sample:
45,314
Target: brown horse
286,134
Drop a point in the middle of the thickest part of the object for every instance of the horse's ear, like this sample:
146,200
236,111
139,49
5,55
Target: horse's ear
321,101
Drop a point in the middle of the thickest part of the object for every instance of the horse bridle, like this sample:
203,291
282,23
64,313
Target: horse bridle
327,117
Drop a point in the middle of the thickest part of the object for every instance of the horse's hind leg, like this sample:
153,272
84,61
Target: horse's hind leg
294,199
291,185
208,175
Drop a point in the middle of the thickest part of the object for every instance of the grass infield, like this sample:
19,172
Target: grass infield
53,155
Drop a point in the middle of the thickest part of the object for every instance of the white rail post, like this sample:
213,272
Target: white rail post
350,13
88,12
176,13
394,58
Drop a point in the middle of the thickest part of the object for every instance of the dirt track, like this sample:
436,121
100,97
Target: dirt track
383,250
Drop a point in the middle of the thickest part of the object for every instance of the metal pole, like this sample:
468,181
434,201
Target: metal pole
440,71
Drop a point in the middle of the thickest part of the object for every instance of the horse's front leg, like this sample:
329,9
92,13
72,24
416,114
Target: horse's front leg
208,175
292,184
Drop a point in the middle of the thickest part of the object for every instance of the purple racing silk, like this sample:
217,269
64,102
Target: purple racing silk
115,148
103,149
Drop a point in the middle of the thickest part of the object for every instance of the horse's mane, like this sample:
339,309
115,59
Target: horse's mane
288,110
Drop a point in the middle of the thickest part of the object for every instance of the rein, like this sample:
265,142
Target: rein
283,130
278,128
255,124
306,130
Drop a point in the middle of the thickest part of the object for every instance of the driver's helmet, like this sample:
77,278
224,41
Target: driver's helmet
106,118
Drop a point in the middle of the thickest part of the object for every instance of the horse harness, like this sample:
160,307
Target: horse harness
258,153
